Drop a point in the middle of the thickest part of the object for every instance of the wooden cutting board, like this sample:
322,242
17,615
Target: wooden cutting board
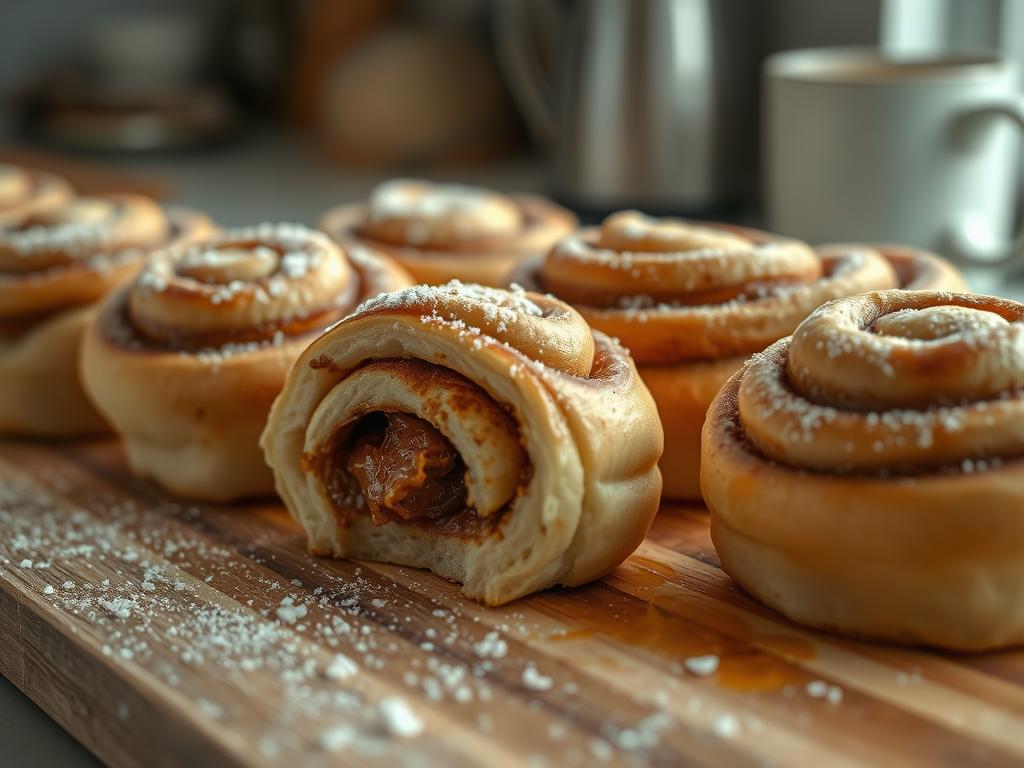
162,633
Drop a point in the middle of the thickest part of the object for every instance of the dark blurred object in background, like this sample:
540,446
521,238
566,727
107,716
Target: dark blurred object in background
407,85
374,82
325,31
409,97
255,40
646,103
141,79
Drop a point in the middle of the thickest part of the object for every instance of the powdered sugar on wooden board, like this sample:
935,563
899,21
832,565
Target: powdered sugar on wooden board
279,657
153,596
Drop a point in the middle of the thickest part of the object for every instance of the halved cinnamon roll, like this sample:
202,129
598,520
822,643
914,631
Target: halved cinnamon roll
186,361
865,475
488,435
55,266
441,232
24,192
691,301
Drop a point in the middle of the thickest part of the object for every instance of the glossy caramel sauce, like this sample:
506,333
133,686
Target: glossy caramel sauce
407,469
663,623
399,469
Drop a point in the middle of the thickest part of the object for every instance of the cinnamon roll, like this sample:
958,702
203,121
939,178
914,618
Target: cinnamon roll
916,270
487,435
691,301
24,192
55,266
186,361
865,475
441,232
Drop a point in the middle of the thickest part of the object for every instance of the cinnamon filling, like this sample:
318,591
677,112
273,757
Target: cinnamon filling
400,466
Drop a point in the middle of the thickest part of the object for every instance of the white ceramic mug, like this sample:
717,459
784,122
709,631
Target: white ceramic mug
923,151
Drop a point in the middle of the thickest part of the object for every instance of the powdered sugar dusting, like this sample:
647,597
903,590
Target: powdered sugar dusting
93,233
728,317
285,253
204,622
73,237
256,284
829,399
498,303
298,656
405,197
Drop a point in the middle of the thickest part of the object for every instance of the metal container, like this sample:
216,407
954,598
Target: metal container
647,103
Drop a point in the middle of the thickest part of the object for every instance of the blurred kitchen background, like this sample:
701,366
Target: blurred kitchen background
257,110
277,109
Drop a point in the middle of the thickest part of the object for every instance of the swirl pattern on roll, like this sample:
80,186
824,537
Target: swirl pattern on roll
57,262
488,435
865,475
75,253
674,291
892,383
441,232
186,361
247,285
692,300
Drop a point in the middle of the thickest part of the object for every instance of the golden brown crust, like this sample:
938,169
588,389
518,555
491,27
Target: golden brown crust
55,266
444,232
692,300
581,415
887,507
916,269
187,360
682,392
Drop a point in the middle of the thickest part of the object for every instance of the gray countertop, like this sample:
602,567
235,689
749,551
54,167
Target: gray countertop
275,178
30,737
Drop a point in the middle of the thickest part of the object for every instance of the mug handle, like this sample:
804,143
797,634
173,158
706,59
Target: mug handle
964,236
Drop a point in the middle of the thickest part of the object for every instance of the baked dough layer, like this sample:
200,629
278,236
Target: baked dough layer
56,265
581,414
186,361
692,300
442,232
925,549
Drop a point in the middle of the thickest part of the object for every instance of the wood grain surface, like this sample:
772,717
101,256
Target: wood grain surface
162,633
